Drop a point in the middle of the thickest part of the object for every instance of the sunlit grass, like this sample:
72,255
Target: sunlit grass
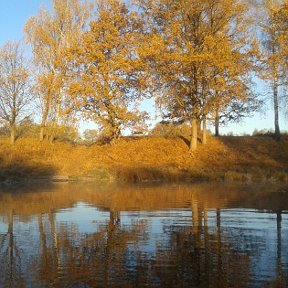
149,158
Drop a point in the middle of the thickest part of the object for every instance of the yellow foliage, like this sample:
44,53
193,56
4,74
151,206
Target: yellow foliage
110,81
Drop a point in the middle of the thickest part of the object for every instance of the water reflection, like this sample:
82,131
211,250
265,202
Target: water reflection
155,236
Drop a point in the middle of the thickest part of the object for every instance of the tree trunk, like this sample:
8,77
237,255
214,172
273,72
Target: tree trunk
12,133
54,127
199,122
43,123
216,123
276,106
204,133
52,136
194,137
275,68
41,134
46,112
55,122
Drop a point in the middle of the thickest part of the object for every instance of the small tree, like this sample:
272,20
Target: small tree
14,86
91,135
271,56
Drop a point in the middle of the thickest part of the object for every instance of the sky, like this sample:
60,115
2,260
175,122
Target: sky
14,13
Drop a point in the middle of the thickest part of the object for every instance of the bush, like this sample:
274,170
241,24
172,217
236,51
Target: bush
170,129
90,135
68,134
26,129
263,132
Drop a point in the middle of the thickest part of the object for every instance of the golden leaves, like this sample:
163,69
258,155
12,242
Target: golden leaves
109,67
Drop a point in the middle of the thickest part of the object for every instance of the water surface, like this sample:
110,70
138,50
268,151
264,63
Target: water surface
204,235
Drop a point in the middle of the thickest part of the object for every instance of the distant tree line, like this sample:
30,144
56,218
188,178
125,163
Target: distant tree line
98,61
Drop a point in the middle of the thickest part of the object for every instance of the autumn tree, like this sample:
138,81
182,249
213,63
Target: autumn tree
230,94
52,35
281,20
196,50
109,81
14,86
234,111
271,55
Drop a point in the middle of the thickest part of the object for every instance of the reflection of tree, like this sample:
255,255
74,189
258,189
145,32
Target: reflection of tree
49,257
281,280
189,255
114,254
279,250
197,227
219,261
195,257
151,198
99,258
10,264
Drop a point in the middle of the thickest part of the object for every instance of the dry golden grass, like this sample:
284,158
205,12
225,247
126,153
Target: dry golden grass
149,158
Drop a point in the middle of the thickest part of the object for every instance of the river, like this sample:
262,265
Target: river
164,235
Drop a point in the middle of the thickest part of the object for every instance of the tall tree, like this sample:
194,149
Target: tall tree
271,53
199,55
227,86
52,35
110,70
15,92
282,30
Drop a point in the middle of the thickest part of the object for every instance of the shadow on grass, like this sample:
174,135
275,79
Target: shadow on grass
185,140
14,172
258,149
169,173
258,158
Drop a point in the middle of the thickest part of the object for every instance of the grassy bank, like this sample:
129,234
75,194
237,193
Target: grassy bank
244,158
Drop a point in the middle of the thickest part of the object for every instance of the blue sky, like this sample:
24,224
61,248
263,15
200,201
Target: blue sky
14,13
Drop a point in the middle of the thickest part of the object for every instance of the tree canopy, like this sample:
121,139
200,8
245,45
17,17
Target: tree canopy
197,59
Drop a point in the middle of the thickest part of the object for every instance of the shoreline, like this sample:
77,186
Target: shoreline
228,177
147,159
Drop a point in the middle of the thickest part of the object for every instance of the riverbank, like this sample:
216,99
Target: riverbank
141,159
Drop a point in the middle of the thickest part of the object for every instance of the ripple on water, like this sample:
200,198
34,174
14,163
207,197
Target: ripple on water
208,235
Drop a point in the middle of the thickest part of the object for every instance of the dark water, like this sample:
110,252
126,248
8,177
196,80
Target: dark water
144,236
